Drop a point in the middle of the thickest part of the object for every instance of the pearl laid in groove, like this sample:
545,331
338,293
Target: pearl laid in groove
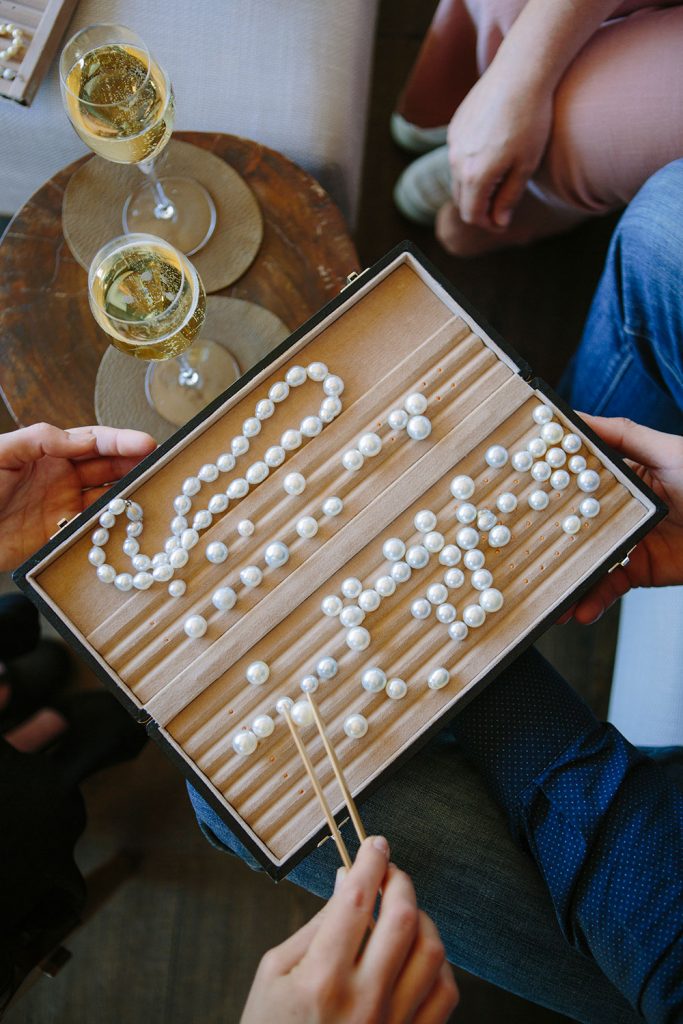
415,404
396,688
559,480
506,502
542,414
571,443
223,599
294,483
433,541
571,524
309,684
177,588
474,559
216,552
401,572
467,537
302,713
537,447
385,586
332,506
474,616
538,500
491,600
555,457
589,508
258,673
352,460
521,461
262,726
419,428
576,464
446,613
244,743
331,605
450,555
421,608
397,419
393,549
351,587
454,578
552,433
437,593
251,576
373,680
307,527
437,679
424,521
352,615
282,704
481,579
358,638
486,520
417,556
356,726
588,481
466,513
499,536
496,456
245,527
327,668
369,445
195,626
276,554
458,631
541,471
462,487
369,600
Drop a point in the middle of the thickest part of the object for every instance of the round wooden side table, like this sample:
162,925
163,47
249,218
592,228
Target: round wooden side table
50,346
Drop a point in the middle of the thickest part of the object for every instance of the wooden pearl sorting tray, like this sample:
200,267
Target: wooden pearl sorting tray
398,329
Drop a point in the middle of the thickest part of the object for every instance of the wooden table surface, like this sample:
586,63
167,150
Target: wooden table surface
50,346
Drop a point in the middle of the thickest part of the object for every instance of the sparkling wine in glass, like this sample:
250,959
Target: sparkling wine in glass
150,300
120,102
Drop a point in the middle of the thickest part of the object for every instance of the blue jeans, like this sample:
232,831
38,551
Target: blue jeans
485,894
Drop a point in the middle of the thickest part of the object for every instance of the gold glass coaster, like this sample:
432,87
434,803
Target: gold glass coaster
246,331
96,194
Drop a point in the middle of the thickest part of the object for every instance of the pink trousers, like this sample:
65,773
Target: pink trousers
618,108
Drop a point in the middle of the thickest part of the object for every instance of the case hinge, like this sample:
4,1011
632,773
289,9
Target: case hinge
625,560
61,523
353,276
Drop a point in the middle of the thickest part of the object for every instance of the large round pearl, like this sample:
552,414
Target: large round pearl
250,428
434,541
291,439
450,555
309,684
245,528
202,519
283,704
446,613
571,524
333,385
332,506
491,600
499,536
424,521
331,605
256,473
506,502
317,371
454,578
577,464
370,445
179,558
195,626
481,579
96,556
262,726
162,573
351,587
237,488
496,456
538,500
258,673
294,483
559,480
177,588
541,471
352,460
401,572
327,668
537,447
438,678
588,481
415,404
100,537
358,638
209,472
330,408
244,743
218,503
466,513
251,576
369,600
394,549
264,409
397,419
474,559
143,580
457,631
462,487
396,688
107,520
279,391
356,726
189,538
486,519
311,426
542,414
419,428
116,506
373,680
420,608
521,461
437,593
224,599
124,581
216,552
352,615
295,376
467,537
274,456
385,586
302,713
417,556
552,433
307,527
589,508
555,457
191,486
276,554
473,616
571,443
225,463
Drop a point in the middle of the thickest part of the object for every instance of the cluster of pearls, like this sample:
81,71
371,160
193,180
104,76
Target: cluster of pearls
12,51
410,418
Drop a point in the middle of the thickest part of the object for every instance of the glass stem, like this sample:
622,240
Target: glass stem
188,377
164,209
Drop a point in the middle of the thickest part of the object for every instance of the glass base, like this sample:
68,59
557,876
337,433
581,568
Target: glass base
187,224
177,402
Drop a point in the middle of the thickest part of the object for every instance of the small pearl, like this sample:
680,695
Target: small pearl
467,537
264,409
276,554
437,593
316,371
216,552
499,536
542,414
178,525
552,433
278,391
351,587
446,613
116,506
256,473
96,556
458,631
398,419
208,473
588,481
506,502
311,426
356,726
223,599
275,456
589,508
474,616
419,428
373,680
294,483
433,541
282,704
191,486
188,539
537,447
141,562
179,558
257,673
263,726
307,527
462,487
244,743
577,464
177,588
352,615
100,537
538,500
124,581
466,513
394,549
370,600
251,576
385,586
295,376
571,524
202,519
333,385
481,579
134,511
474,559
521,461
162,573
438,678
245,527
454,578
496,456
302,713
417,556
239,445
555,457
135,529
352,460
251,427
450,555
571,443
425,521
560,479
226,462
143,580
358,638
491,600
486,520
332,506
237,488
107,520
541,472
331,605
401,572
396,689
327,668
7,73
369,445
309,684
415,404
421,608
330,408
291,439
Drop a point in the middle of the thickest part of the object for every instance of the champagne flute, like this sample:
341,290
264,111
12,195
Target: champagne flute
150,300
120,102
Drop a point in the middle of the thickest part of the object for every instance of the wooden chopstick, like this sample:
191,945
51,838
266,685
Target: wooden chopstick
336,767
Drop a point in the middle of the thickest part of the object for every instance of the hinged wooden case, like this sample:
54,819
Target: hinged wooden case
398,329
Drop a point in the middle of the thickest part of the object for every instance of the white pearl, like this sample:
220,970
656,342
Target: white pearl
264,409
424,521
295,376
474,616
330,408
302,713
143,580
571,524
506,502
162,573
141,562
401,572
415,404
316,371
373,680
555,457
202,519
462,487
369,445
467,537
251,427
356,726
189,538
496,456
291,439
275,456
332,506
541,472
589,508
437,593
537,447
588,481
276,554
421,608
446,613
577,464
256,473
96,556
279,391
352,460
486,519
244,743
466,513
385,586
161,558
396,689
542,414
216,552
450,555
358,638
521,461
178,525
351,587
124,581
223,599
458,631
107,520
226,462
417,556
177,588
491,600
571,443
208,473
134,511
331,605
245,527
100,537
552,433
251,576
135,529
474,559
309,684
433,541
454,578
327,668
191,486
419,428
333,385
116,506
257,673
397,419
239,445
499,536
263,726
560,479
307,527
237,488
438,678
370,600
311,426
481,579
352,615
179,558
538,500
283,703
394,549
294,483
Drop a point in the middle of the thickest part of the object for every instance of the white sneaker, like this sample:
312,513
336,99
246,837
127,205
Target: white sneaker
424,187
413,138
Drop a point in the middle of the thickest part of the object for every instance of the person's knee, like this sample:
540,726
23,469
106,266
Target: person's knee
651,229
